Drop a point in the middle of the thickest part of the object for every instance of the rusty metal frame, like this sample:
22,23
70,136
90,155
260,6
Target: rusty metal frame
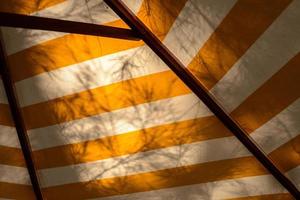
196,86
50,24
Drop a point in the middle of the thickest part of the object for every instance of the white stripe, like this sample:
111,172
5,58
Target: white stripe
95,11
9,137
234,188
294,175
89,75
3,98
280,129
138,62
12,174
267,55
176,156
194,26
134,118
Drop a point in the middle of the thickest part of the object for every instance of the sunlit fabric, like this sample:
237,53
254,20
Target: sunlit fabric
14,177
107,119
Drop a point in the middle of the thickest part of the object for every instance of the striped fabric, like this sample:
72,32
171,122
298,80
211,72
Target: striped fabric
107,119
14,177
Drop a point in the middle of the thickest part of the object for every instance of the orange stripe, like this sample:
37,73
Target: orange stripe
64,51
237,32
129,143
287,156
193,174
5,116
272,97
16,191
11,156
281,90
104,99
73,48
283,196
26,6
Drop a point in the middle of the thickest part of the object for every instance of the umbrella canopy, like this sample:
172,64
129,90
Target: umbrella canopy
107,118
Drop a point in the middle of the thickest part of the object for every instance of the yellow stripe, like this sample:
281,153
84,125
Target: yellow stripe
143,140
11,156
73,48
16,191
272,97
237,32
287,156
201,173
283,196
26,6
5,116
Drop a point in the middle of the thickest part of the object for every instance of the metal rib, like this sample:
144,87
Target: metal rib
18,120
50,24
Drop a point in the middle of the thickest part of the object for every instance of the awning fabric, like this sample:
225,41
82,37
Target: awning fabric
107,119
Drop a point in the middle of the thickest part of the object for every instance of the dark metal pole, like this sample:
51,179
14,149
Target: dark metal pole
18,119
49,24
195,85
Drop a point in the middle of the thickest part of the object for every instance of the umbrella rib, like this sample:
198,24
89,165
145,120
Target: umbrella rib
50,24
18,119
